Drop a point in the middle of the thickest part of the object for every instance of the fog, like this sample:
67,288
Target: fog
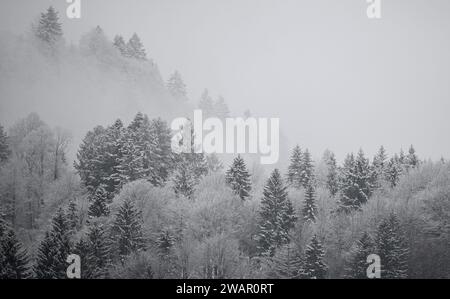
335,78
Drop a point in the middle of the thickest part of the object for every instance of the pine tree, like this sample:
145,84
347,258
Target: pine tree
313,266
392,249
286,263
49,29
206,104
394,171
81,248
307,169
99,203
332,175
135,48
357,265
127,231
412,161
310,209
176,86
4,147
277,216
183,181
97,252
294,175
379,166
160,156
120,45
238,178
112,156
54,250
14,262
72,215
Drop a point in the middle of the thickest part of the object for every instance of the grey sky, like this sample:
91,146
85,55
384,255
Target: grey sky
336,79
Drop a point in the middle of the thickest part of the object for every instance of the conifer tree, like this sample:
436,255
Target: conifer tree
332,175
310,209
206,104
412,161
97,252
72,215
49,28
294,175
357,265
120,45
4,147
183,181
392,249
307,174
379,166
238,178
54,250
394,171
286,263
127,231
221,109
176,86
160,159
277,216
313,266
14,262
135,48
99,203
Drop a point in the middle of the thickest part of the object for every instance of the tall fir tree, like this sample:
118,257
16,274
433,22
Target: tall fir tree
313,266
161,158
54,250
276,216
206,104
4,146
357,264
120,45
176,86
49,28
392,249
310,208
294,176
286,263
379,165
221,109
412,161
14,261
99,203
332,175
97,254
184,181
307,169
238,178
126,231
135,48
72,215
394,171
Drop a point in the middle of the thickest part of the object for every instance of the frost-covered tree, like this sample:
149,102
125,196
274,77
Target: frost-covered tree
294,175
332,175
14,261
97,254
72,215
309,210
412,161
286,263
238,178
54,249
221,109
307,169
206,104
313,266
184,181
392,249
176,86
99,203
120,45
357,264
135,48
49,28
160,160
394,170
4,147
126,234
276,216
379,165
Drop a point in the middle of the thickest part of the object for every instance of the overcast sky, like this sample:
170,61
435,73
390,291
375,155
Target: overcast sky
335,78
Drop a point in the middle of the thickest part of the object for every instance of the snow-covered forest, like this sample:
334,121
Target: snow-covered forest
131,208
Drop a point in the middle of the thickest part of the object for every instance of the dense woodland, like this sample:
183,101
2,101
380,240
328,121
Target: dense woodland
130,208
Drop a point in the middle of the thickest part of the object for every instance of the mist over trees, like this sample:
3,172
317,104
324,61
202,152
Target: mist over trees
131,208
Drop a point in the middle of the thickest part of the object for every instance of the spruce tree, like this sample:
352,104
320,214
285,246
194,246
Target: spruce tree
99,203
97,254
127,231
380,166
183,181
294,175
332,175
309,208
120,45
14,262
135,48
394,171
112,155
238,178
4,147
176,86
221,109
392,249
307,169
357,265
313,266
412,161
49,28
54,250
72,215
286,263
277,216
161,157
206,104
